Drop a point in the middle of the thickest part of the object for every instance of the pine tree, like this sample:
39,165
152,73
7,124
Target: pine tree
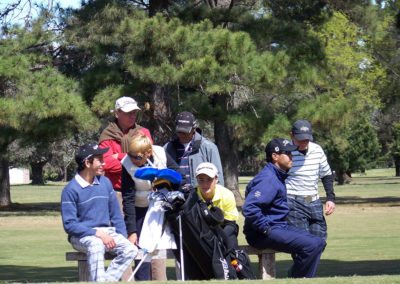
182,60
37,103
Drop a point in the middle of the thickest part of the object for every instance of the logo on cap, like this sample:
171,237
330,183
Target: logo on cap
185,122
208,169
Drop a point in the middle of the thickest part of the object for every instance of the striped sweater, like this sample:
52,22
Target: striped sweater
307,170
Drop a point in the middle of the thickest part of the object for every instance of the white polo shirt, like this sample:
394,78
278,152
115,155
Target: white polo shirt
307,170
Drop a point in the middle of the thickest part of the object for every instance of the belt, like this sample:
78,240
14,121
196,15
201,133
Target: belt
307,198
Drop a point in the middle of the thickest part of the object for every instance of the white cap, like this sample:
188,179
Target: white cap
207,169
126,104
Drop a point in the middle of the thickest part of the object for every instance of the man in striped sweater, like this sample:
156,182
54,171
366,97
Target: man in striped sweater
309,165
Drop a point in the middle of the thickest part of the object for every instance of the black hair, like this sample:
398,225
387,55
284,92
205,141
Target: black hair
81,163
268,157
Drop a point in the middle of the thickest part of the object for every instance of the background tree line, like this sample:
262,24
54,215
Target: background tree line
246,69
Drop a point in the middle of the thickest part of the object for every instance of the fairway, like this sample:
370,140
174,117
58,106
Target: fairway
363,242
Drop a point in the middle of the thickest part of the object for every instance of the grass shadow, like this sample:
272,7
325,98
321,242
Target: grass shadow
332,268
357,200
327,268
31,209
376,177
33,274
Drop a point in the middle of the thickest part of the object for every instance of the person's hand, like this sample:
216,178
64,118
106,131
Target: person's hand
133,238
115,156
329,207
108,241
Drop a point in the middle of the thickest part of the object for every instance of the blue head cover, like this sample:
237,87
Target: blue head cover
146,173
170,175
152,173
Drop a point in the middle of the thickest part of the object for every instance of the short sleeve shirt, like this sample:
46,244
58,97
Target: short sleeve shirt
225,200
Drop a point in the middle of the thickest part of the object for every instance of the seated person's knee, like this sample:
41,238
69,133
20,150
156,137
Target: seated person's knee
96,246
131,250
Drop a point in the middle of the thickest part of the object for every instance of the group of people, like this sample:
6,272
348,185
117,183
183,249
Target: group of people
282,209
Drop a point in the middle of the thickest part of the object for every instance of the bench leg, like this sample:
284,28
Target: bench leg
266,266
83,271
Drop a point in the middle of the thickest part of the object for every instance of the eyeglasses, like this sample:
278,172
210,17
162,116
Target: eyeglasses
136,157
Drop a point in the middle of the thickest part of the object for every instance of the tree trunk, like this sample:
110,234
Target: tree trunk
159,115
342,177
219,3
65,178
156,6
397,165
5,196
65,173
37,172
227,146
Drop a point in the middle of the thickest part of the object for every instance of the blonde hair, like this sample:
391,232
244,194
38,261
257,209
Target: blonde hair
140,143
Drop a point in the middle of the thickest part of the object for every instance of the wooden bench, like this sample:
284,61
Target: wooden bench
266,262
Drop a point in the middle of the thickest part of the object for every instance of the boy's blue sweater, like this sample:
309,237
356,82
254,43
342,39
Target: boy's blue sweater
84,209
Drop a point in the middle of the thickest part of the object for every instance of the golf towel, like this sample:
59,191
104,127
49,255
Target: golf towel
155,234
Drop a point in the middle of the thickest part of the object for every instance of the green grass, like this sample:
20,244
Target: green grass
363,243
36,194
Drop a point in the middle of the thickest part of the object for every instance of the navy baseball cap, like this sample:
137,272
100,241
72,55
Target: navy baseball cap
185,122
302,130
279,145
87,151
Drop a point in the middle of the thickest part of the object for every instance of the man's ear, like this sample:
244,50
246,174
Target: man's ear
274,157
87,163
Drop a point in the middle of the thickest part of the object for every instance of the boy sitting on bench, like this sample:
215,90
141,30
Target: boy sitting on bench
92,218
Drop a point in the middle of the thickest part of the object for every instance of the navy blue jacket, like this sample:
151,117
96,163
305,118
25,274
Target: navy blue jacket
265,205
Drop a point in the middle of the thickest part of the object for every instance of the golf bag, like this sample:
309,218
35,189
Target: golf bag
204,252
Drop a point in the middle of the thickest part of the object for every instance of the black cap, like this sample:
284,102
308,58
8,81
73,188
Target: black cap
185,122
279,145
302,130
87,151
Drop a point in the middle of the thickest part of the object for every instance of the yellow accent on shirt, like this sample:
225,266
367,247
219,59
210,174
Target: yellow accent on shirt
225,200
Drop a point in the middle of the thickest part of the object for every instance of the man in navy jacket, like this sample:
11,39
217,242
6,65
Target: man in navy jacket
265,212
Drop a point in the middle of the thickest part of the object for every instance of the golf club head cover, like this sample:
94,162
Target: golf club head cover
146,173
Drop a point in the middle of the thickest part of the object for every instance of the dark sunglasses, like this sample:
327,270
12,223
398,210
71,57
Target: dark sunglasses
285,152
136,157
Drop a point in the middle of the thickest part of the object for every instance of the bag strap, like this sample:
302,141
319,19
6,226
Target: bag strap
213,215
